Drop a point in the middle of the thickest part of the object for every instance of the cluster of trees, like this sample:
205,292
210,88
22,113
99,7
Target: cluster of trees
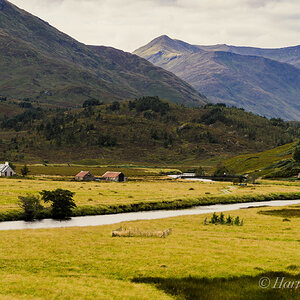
91,102
27,118
149,103
61,202
222,220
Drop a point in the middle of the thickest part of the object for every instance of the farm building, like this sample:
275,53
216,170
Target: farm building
6,170
84,176
114,176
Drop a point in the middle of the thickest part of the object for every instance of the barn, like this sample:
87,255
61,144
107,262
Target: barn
6,170
114,176
84,176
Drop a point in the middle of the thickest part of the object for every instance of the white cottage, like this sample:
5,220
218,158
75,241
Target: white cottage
6,170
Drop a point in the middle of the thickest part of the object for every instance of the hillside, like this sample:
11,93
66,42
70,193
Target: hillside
290,55
40,62
146,130
274,163
257,84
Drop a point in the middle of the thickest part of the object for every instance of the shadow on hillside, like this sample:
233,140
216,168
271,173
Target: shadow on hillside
244,287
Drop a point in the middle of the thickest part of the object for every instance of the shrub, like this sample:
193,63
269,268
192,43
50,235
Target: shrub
25,170
214,219
237,221
31,206
229,220
222,219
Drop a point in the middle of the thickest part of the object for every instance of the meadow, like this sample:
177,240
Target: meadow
153,190
196,261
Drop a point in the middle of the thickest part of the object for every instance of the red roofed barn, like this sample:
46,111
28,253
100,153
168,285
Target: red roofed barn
84,176
114,176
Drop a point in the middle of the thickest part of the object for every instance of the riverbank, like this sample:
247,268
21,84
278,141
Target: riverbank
17,215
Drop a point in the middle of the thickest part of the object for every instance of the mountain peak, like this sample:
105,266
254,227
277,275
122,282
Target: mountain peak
164,45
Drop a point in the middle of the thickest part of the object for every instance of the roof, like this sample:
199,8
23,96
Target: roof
111,174
82,174
3,168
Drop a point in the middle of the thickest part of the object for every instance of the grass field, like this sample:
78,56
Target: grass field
249,163
196,262
132,192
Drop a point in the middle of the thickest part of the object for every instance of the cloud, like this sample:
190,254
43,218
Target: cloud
130,24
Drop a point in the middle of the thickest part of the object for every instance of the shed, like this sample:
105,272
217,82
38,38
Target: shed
114,176
84,176
6,170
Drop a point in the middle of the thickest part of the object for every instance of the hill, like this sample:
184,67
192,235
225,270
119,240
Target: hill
147,130
257,84
40,62
274,163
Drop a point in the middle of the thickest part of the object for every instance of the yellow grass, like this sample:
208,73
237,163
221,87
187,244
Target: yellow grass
96,193
87,263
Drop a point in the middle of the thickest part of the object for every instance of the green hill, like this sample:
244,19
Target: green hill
145,130
42,63
274,163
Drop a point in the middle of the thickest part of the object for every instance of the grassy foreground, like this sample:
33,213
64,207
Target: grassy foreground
196,262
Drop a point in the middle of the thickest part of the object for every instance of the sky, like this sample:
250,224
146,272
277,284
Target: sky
130,24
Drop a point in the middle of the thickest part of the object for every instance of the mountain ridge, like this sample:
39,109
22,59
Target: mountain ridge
255,83
79,71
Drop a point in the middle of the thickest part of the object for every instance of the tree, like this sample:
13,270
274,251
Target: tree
296,155
61,202
229,220
200,172
222,219
114,106
214,218
237,221
25,170
13,166
221,171
252,178
31,206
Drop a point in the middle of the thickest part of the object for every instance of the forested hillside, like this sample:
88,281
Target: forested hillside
142,130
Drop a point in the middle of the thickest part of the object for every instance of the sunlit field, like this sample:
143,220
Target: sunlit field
88,263
104,193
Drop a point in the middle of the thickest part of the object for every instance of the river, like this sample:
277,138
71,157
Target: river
147,215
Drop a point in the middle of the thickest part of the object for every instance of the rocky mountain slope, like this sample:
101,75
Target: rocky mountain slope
40,62
255,83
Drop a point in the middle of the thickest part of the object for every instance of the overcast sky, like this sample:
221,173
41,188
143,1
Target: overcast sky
129,24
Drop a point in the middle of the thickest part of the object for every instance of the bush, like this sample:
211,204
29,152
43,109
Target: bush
31,206
25,170
61,202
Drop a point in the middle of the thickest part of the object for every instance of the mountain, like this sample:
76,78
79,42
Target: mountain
257,84
42,63
290,55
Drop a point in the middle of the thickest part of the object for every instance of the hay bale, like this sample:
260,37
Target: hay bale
135,232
